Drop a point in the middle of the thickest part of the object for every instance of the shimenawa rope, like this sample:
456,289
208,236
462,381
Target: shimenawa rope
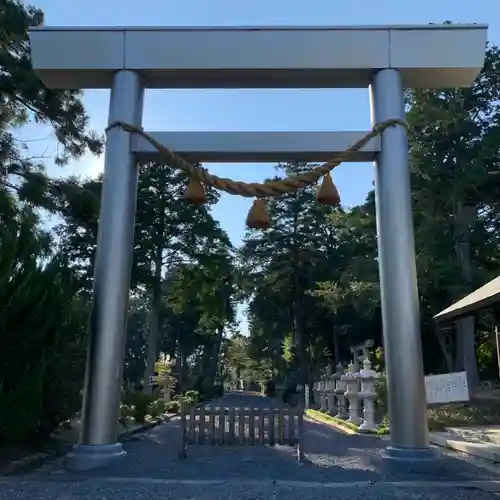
257,190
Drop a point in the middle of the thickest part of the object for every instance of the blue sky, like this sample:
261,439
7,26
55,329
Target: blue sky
250,109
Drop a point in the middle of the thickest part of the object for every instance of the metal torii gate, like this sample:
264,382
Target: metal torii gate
383,58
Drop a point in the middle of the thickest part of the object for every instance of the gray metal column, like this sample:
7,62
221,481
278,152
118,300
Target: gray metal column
103,379
398,277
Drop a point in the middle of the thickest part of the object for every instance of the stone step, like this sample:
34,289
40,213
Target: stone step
479,434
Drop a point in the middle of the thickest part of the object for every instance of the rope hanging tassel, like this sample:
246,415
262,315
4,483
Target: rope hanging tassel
195,192
257,217
328,193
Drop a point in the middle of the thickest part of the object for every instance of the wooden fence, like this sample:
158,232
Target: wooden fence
222,426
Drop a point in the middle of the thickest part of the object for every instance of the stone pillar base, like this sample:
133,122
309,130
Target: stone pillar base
86,457
409,460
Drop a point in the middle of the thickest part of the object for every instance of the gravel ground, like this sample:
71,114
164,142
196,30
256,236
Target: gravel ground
152,469
107,490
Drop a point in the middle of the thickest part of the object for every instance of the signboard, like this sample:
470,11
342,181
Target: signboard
447,388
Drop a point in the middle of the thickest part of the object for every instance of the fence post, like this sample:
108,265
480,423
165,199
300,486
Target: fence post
368,378
300,427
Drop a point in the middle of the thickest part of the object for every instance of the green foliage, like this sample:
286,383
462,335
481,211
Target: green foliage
189,398
282,264
24,98
157,408
299,321
288,349
42,335
140,404
192,397
310,281
312,278
463,415
182,274
239,364
378,360
486,357
135,349
381,402
342,424
173,407
44,314
126,413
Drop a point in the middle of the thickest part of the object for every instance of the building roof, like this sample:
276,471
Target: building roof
481,298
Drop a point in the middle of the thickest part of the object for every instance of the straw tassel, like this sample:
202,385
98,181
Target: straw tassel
327,193
195,192
257,217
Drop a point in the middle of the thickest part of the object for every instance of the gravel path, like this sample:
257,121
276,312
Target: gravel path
336,466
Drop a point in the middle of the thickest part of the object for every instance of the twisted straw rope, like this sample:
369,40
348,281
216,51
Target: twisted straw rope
254,189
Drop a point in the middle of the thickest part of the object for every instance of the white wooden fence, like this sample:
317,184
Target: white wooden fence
221,426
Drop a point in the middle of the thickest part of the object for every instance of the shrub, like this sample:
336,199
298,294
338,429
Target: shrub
126,412
140,404
173,407
191,397
381,403
42,336
157,408
128,396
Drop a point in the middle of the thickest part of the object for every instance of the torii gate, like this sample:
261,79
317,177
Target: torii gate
384,59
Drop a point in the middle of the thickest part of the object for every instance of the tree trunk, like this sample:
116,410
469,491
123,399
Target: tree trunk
214,358
154,323
152,351
183,371
445,348
298,310
466,353
205,358
300,334
210,359
178,369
